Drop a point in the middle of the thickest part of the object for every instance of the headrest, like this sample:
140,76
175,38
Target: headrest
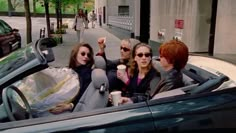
99,62
99,78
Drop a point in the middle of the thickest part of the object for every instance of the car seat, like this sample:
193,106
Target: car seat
96,95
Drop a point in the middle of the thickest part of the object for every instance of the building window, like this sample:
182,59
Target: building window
123,10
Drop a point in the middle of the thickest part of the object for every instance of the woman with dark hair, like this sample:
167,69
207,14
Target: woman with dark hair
139,76
81,61
173,58
86,19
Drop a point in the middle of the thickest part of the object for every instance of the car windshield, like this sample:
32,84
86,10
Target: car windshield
4,27
16,60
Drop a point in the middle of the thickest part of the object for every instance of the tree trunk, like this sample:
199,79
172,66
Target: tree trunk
10,8
34,7
28,22
47,17
60,15
57,13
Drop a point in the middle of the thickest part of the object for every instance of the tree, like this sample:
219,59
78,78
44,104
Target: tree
47,16
34,7
28,21
10,7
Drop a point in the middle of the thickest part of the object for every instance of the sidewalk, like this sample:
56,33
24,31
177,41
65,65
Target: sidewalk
62,51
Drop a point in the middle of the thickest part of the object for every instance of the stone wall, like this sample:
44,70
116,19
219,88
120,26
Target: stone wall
225,37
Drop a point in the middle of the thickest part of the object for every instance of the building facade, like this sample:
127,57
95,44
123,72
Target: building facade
204,25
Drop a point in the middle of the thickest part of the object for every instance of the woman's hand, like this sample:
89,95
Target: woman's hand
62,107
123,76
125,100
101,43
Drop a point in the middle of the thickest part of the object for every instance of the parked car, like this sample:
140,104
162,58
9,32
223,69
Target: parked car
207,102
10,39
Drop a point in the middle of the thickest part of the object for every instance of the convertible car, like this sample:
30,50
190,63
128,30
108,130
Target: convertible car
207,102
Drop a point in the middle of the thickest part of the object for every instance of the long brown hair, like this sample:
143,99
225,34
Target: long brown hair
133,63
74,52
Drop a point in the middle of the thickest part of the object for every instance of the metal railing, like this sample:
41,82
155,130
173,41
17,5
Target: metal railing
124,22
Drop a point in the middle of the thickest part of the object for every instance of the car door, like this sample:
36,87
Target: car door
122,119
213,110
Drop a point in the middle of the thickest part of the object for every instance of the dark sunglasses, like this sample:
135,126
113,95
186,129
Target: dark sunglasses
142,54
124,49
88,54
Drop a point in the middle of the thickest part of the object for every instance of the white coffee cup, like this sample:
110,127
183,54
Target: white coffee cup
116,96
122,68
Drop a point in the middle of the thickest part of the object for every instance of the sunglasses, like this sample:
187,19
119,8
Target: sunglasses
88,54
124,49
142,54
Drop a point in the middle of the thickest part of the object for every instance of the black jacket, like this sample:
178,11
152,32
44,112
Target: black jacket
111,68
140,92
171,80
84,73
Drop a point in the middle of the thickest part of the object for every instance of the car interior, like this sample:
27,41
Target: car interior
197,80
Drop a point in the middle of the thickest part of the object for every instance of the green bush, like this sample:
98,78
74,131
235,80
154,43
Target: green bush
57,38
60,31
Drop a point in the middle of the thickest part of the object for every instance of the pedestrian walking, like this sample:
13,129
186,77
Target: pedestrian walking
79,25
86,22
93,18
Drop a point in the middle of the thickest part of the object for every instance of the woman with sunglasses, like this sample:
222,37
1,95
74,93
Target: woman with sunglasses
126,48
81,61
139,76
173,58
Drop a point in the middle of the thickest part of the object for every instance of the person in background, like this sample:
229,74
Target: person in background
93,18
126,47
79,25
81,61
173,58
86,19
139,76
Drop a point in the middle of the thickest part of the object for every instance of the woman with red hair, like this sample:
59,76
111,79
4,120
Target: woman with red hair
173,58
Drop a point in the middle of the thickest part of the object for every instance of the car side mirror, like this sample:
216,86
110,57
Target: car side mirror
48,42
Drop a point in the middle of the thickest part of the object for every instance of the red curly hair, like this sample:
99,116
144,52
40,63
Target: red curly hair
175,52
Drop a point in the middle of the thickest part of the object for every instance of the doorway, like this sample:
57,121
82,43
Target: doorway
104,14
144,20
213,27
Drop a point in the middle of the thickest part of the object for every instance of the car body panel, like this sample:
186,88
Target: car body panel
129,118
220,66
198,112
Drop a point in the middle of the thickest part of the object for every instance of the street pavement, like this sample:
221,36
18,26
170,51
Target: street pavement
62,51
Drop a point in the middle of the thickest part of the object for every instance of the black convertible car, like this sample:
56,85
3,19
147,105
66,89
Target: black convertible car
206,103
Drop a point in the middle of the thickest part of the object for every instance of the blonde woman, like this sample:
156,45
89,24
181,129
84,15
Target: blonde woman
139,76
